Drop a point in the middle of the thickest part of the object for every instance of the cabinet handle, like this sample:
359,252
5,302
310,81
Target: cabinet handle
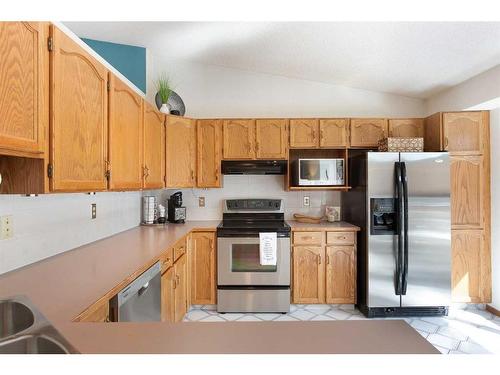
321,134
177,279
217,173
327,259
192,175
445,143
146,171
257,147
319,259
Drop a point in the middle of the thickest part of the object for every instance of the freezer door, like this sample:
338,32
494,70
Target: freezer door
428,271
381,248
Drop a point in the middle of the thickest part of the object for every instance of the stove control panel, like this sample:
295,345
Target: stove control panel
253,205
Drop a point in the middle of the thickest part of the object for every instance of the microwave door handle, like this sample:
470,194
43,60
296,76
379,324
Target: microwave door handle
327,178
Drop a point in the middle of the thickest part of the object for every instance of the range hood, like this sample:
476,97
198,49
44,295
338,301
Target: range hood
254,166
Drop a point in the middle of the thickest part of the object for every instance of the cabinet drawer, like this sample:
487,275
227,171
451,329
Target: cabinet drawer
179,249
307,238
167,260
340,238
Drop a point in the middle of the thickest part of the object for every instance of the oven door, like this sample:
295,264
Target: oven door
238,263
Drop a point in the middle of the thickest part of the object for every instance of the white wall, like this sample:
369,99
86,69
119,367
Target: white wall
49,224
212,91
481,93
251,186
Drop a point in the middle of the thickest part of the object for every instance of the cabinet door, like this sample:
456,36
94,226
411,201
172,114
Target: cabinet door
410,128
308,274
168,285
271,139
304,133
466,191
471,270
125,136
209,136
340,274
98,313
334,133
463,132
79,114
239,139
181,152
23,82
432,133
154,148
180,269
203,284
367,132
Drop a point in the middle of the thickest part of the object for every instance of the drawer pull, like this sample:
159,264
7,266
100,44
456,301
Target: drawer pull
319,259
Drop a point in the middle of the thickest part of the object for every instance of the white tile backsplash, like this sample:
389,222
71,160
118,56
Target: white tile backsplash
50,224
250,186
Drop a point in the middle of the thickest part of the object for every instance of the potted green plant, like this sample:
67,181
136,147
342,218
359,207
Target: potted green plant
164,88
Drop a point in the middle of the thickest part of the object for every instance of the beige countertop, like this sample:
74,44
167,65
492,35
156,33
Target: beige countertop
340,226
64,285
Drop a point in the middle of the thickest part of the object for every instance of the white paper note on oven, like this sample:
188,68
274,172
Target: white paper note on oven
268,248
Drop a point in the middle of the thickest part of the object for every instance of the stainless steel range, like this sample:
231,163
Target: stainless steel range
243,283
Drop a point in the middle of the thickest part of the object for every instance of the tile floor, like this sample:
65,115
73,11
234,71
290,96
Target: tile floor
469,329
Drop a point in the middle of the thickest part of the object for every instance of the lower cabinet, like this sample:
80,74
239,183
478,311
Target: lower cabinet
471,267
97,313
202,268
324,273
174,291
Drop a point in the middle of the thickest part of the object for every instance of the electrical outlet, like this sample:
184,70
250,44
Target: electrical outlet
201,201
307,201
94,210
6,230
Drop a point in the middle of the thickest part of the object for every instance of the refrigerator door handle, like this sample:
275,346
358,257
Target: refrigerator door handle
399,227
404,179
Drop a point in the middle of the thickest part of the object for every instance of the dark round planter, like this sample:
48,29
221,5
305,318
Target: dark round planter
176,104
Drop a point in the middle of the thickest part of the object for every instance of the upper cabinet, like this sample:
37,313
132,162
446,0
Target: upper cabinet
79,117
23,88
239,139
410,128
180,152
334,133
154,148
304,133
125,137
271,139
209,149
366,133
463,132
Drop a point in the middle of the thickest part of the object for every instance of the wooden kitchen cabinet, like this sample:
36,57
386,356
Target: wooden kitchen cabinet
174,302
471,267
239,139
467,191
334,133
304,133
79,118
180,152
24,83
181,292
308,274
341,274
271,139
209,137
97,313
203,274
126,131
463,132
366,133
168,284
410,128
154,148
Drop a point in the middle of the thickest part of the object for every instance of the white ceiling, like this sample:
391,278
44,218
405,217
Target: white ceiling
416,59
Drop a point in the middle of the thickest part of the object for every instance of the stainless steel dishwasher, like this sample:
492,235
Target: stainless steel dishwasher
140,301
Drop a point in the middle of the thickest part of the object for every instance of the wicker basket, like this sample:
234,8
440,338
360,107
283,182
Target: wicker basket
401,144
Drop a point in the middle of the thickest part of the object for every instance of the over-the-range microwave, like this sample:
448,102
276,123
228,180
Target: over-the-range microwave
319,172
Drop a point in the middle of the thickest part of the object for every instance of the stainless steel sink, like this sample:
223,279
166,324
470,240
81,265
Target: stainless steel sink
24,330
15,317
32,344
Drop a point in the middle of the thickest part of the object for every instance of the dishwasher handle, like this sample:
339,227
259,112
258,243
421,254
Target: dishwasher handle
139,285
143,288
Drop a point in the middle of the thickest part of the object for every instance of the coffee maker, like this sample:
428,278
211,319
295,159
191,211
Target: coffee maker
176,213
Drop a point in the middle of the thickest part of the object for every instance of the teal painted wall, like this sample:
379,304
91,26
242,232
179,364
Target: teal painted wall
128,60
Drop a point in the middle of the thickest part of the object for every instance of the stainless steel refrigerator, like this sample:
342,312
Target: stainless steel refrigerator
402,203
